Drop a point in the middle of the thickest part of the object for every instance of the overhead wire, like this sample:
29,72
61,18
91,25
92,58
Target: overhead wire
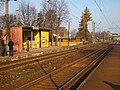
102,13
74,5
69,12
76,8
117,27
105,10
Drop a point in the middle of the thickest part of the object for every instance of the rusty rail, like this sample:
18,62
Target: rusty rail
84,72
11,65
67,83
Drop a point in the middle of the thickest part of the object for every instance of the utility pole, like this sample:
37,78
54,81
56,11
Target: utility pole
17,15
56,42
7,23
68,32
93,32
104,36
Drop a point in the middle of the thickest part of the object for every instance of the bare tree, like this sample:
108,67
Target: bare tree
12,21
56,12
1,12
1,6
27,14
40,19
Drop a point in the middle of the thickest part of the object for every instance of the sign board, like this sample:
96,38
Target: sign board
35,28
114,34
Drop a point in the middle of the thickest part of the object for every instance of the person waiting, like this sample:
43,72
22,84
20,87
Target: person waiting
11,44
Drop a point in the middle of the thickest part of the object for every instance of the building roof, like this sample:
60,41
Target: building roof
36,28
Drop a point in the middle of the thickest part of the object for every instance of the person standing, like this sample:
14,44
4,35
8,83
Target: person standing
28,45
3,48
11,44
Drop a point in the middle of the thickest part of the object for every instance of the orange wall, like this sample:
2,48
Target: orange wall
73,40
16,37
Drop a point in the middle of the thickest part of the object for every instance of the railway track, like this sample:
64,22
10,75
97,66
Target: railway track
66,77
42,58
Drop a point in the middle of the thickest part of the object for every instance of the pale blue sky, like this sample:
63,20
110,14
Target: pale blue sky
110,9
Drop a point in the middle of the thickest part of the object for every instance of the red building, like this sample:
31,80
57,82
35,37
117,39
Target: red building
20,34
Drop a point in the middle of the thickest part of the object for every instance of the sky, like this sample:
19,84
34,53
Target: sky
105,13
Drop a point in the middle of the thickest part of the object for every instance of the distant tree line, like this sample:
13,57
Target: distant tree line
51,15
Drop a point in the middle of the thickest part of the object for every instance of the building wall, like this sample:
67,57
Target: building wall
44,38
26,35
15,36
19,36
40,38
71,40
36,40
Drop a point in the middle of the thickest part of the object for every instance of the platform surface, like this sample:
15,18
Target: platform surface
107,75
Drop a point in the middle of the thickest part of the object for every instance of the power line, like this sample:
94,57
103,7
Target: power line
58,8
74,5
116,25
102,13
76,8
98,24
105,10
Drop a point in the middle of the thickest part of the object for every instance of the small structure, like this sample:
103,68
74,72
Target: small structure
39,37
114,36
63,41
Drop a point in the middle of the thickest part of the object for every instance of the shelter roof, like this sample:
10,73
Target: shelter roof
36,28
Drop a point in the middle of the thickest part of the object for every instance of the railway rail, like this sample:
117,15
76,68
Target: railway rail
67,77
42,58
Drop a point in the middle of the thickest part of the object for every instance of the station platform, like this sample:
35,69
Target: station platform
107,75
32,52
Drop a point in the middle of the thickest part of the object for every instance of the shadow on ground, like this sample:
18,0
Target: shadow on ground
114,86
